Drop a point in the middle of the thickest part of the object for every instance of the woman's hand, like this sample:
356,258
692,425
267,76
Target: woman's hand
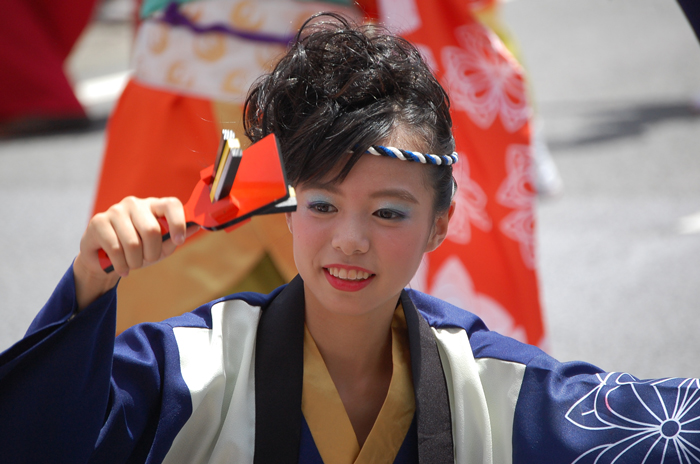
130,234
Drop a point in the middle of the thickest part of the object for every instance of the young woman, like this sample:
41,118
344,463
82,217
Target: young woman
343,364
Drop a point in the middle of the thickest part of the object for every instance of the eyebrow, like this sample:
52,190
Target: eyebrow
398,193
401,194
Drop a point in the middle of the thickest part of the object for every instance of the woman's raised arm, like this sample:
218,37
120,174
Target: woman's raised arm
130,235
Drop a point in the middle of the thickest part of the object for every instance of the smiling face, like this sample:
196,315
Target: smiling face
357,243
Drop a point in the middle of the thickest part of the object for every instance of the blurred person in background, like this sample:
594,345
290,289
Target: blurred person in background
193,63
36,37
488,261
548,182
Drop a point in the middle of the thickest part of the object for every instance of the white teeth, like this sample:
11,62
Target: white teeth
344,274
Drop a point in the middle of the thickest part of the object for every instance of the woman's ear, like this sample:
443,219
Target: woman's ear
288,217
439,232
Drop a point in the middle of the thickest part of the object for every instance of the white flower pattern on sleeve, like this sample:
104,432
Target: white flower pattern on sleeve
484,80
647,422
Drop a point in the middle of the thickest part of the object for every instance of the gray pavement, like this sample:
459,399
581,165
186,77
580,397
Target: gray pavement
613,83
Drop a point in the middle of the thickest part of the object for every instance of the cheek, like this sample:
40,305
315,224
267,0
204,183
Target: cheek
405,246
307,240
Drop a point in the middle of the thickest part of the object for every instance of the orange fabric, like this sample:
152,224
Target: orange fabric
157,142
487,264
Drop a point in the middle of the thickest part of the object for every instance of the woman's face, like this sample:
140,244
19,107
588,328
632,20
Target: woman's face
358,243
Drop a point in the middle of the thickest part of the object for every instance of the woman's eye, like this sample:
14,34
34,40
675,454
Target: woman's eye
389,214
322,207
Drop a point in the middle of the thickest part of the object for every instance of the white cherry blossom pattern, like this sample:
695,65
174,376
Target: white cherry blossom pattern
517,192
484,79
519,226
646,422
452,283
470,206
399,16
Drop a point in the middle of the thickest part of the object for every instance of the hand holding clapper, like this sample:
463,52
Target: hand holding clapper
238,186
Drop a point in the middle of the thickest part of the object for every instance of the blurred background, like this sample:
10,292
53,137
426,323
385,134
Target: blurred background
617,89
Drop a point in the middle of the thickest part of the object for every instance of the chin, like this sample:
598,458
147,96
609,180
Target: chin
359,303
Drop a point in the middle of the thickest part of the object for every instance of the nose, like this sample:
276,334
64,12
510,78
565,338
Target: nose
351,236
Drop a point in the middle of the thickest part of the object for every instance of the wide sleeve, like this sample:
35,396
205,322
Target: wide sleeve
575,413
54,383
70,393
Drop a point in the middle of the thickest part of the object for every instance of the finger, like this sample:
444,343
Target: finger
169,246
120,217
171,208
100,234
148,229
90,279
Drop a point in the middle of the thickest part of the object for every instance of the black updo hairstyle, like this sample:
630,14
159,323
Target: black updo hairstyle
341,88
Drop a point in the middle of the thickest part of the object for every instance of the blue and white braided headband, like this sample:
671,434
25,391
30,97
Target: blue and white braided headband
406,155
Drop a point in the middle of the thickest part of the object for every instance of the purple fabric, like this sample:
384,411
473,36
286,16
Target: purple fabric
173,17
